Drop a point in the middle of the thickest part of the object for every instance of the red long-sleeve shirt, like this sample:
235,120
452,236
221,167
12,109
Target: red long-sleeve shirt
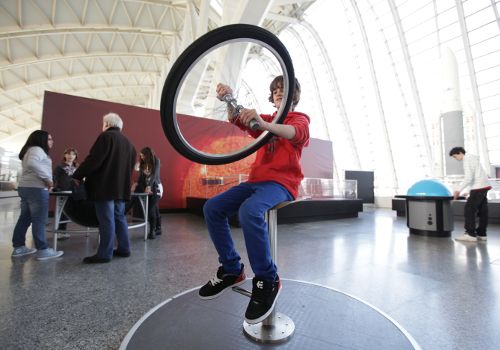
279,159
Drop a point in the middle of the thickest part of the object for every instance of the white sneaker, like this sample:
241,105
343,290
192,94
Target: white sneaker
482,238
22,251
466,238
49,253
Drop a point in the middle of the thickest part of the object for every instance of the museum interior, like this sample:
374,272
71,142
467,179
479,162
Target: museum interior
237,174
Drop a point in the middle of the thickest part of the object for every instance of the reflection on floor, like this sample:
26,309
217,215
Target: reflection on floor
444,293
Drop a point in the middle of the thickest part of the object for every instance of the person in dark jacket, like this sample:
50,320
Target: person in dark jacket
149,182
107,171
62,181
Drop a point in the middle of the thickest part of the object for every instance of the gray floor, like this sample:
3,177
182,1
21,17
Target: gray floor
323,319
444,293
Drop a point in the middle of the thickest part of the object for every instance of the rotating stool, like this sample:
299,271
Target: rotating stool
277,327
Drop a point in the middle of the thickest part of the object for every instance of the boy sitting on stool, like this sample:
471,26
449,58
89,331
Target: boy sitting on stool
274,177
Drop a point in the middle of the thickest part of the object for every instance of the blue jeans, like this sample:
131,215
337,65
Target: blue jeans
34,212
112,221
251,201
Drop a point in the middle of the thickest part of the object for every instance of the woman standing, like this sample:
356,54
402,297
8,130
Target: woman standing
62,181
34,186
148,182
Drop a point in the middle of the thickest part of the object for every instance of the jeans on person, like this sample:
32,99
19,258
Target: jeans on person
34,212
251,201
476,204
112,221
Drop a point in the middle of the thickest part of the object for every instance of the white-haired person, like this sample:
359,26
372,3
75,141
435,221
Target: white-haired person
107,170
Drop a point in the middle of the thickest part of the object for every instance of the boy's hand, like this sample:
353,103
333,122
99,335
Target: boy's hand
246,115
222,90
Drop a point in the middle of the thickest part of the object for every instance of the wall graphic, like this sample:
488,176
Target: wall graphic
76,122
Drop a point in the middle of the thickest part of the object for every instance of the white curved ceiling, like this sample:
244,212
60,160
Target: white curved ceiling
113,50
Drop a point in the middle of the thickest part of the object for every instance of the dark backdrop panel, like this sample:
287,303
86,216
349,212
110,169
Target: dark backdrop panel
365,184
76,122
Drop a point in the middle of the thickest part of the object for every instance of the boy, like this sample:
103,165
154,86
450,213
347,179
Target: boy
274,178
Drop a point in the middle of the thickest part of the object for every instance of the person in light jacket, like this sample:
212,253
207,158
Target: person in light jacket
477,202
33,188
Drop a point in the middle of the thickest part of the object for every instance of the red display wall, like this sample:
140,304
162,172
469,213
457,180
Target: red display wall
76,122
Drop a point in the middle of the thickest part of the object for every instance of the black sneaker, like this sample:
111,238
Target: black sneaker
151,236
120,253
94,259
264,296
221,281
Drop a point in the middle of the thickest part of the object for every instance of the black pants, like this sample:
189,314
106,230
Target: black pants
154,217
153,212
477,204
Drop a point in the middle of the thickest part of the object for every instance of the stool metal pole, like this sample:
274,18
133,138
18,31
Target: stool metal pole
276,328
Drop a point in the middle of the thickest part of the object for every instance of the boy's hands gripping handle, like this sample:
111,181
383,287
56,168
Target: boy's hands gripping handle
235,109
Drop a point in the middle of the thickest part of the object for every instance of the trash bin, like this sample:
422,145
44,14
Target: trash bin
428,209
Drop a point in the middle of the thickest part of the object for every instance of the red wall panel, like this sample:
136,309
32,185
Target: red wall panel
76,122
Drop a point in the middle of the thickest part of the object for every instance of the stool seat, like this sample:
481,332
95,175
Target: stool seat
281,205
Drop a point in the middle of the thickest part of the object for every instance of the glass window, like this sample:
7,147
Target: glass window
450,32
382,102
445,5
473,6
490,104
491,117
484,32
488,75
485,47
447,17
489,89
494,142
480,18
486,61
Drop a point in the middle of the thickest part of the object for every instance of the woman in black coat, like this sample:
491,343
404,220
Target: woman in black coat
149,182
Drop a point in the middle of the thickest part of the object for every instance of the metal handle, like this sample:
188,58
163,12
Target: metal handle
235,109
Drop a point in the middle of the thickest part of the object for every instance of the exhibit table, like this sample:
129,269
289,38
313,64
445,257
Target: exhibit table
64,197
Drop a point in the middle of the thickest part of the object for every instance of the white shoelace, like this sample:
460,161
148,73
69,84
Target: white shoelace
215,280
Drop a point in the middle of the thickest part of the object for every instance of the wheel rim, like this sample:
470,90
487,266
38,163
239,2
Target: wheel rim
194,121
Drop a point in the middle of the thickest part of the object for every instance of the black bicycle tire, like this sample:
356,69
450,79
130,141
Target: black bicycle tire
184,63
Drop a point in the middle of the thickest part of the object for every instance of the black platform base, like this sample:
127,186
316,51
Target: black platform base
427,233
324,319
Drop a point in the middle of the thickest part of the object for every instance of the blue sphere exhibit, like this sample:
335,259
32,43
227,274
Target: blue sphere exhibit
429,188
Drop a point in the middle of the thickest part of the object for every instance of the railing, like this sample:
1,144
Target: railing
310,188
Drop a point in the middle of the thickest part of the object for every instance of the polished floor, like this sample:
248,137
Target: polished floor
444,293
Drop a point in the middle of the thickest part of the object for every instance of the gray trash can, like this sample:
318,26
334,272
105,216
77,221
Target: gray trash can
428,209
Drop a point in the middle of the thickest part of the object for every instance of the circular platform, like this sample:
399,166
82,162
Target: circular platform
324,319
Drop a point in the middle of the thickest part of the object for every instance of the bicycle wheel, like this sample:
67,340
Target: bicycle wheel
194,121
